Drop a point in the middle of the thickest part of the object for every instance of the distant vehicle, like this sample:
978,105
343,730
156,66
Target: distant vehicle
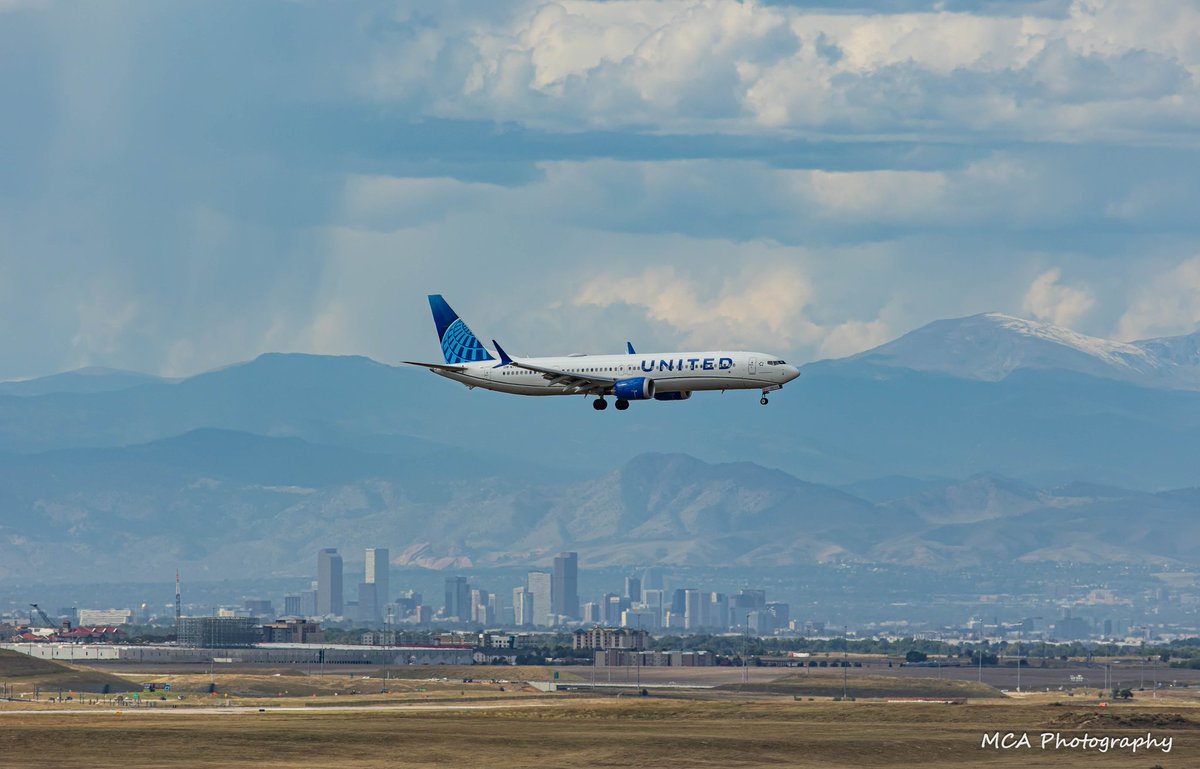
665,376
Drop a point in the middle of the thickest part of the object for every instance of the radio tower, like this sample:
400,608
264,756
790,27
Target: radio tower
177,606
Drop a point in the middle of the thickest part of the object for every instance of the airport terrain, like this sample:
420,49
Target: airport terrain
427,716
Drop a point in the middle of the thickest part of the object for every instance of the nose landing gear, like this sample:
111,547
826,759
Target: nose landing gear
768,389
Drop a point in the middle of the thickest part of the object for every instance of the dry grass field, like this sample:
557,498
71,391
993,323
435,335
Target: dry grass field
27,674
420,717
586,732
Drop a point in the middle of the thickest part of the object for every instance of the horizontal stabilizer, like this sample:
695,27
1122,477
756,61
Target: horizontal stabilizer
437,366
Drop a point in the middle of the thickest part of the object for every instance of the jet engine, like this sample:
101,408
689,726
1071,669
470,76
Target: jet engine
672,396
634,389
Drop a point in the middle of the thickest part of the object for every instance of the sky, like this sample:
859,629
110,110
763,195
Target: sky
184,185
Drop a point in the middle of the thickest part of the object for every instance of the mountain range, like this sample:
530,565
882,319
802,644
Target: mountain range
992,346
981,438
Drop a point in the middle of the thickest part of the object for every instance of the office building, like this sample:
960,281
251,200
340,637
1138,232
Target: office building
652,601
292,631
781,613
218,632
591,613
744,602
694,610
760,621
407,604
678,602
609,638
481,611
522,607
718,611
261,608
633,589
608,602
293,605
378,574
565,587
538,586
329,583
368,603
458,599
645,619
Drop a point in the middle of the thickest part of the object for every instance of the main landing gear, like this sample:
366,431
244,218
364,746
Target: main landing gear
600,404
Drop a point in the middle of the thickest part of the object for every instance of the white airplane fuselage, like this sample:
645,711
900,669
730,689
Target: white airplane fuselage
673,372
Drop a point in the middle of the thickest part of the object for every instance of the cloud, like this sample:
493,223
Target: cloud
760,307
221,179
854,337
689,65
1050,301
104,321
1167,304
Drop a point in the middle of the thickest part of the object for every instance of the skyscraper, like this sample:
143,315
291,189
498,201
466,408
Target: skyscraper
633,589
610,609
539,589
565,589
368,603
458,599
522,607
653,600
693,609
329,582
292,605
718,611
378,564
480,606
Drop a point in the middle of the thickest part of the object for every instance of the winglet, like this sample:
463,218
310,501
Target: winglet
629,346
504,359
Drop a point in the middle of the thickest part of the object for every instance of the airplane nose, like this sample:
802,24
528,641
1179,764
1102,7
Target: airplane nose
792,373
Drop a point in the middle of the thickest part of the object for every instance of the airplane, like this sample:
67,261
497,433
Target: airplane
668,376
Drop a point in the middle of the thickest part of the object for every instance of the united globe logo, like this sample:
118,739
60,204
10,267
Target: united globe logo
459,345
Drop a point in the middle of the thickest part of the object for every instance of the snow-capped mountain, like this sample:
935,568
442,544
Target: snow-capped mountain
991,346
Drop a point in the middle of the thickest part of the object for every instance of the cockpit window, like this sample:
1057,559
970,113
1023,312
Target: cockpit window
776,363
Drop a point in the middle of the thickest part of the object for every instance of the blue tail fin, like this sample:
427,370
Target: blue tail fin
459,345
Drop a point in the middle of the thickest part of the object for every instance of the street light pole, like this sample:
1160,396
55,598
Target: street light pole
1018,660
845,663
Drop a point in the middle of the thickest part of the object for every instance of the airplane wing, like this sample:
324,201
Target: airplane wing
571,381
437,366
